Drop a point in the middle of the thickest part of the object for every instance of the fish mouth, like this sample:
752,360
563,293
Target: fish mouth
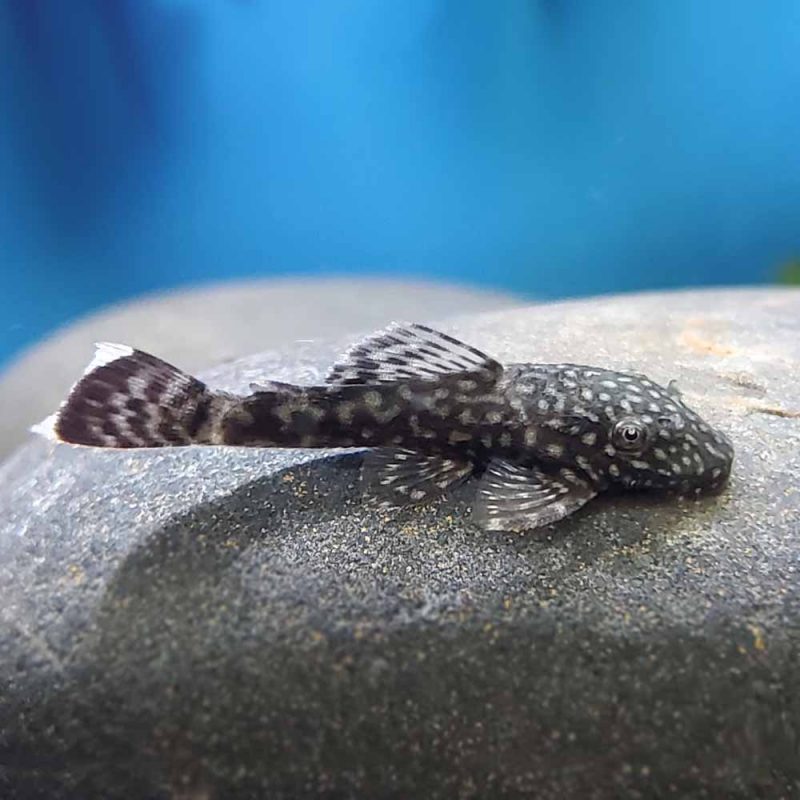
681,487
713,452
713,476
719,468
710,486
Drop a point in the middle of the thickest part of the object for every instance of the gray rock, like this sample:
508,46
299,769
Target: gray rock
197,328
224,624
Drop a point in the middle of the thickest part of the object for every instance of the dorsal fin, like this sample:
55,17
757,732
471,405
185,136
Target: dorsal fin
276,386
404,351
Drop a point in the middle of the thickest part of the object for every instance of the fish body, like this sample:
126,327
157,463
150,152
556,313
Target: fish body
542,439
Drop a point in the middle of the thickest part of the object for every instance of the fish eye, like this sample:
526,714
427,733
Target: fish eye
629,434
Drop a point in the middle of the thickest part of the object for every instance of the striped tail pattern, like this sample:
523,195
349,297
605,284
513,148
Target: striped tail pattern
128,398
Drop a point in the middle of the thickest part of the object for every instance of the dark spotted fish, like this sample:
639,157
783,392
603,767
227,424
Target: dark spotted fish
542,439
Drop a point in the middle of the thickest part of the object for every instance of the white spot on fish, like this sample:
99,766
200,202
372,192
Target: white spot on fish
344,411
284,413
713,450
372,399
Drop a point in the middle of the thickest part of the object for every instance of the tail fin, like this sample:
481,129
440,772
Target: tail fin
127,398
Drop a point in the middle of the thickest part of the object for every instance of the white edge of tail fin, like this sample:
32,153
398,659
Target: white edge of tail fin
46,428
105,353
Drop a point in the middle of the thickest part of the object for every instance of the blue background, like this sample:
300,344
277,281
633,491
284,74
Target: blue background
551,147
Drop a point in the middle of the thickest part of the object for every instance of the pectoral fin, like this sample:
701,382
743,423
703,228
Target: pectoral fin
400,477
516,498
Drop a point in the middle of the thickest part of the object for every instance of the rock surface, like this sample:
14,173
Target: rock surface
224,624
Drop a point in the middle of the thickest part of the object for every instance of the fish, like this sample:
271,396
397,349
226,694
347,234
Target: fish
430,412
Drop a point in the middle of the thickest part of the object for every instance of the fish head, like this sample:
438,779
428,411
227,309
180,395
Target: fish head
673,450
626,430
654,440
